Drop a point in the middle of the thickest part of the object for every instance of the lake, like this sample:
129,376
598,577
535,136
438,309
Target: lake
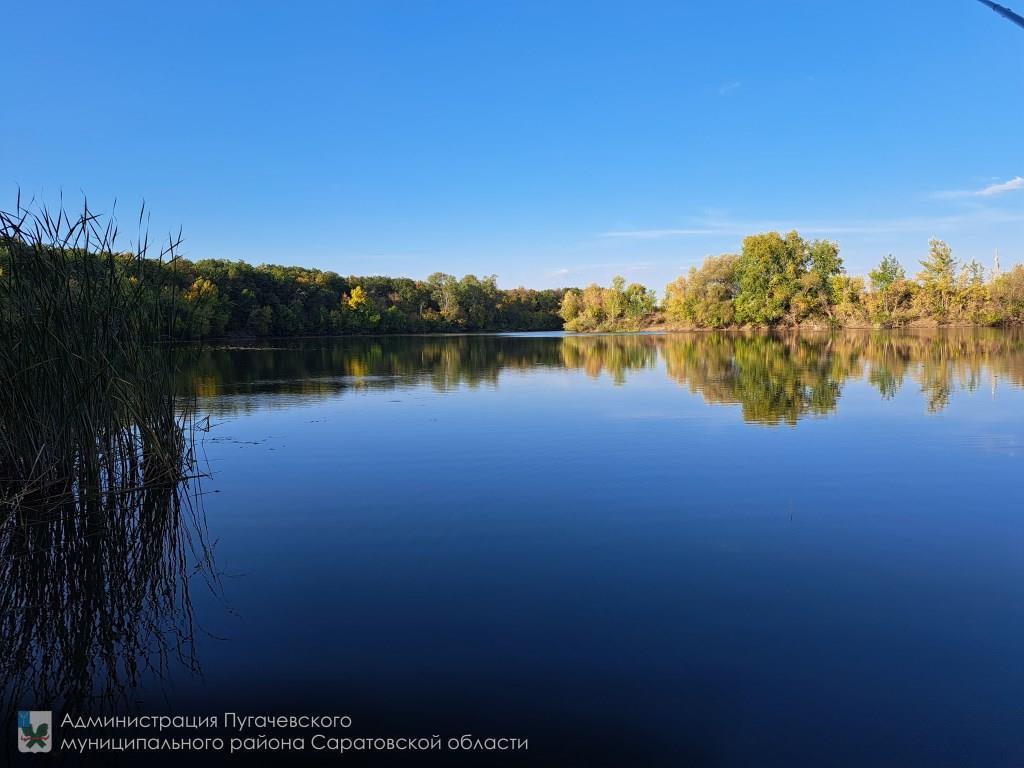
707,549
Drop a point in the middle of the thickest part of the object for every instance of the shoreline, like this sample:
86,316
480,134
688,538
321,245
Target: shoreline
658,328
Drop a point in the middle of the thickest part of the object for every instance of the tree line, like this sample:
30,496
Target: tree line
775,280
786,280
218,298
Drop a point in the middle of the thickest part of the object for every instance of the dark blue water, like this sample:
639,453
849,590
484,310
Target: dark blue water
631,550
667,550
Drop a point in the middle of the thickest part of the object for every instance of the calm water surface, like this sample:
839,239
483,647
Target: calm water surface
659,549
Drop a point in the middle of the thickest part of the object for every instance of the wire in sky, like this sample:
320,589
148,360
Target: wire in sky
1002,10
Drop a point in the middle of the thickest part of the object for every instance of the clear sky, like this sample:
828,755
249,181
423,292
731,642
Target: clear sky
551,143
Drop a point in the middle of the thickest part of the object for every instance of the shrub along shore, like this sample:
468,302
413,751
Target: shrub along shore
786,281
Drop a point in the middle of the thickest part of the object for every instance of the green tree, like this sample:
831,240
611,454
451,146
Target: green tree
938,278
816,285
445,292
885,279
613,299
260,321
1008,296
571,306
207,315
676,304
593,307
478,300
640,301
972,295
706,297
768,273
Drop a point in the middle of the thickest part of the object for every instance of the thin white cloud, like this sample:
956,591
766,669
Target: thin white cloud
993,190
1007,186
727,88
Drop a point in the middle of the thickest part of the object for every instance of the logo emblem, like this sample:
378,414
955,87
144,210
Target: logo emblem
34,731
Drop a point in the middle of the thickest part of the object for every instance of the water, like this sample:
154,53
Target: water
632,550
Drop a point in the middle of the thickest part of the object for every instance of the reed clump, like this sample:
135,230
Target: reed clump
87,397
100,521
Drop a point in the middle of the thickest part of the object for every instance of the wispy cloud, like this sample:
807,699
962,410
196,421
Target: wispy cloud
993,190
1007,186
727,88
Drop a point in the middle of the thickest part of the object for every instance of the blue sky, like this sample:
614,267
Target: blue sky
551,143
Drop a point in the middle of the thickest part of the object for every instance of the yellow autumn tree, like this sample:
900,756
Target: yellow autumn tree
357,298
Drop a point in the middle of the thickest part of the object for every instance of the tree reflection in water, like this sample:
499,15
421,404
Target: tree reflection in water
95,571
774,378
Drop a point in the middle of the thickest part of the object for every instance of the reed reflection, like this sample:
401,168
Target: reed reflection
95,591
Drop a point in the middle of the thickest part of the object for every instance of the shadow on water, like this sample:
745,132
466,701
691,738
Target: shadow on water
774,378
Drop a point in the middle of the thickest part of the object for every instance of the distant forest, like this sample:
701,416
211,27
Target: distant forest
217,298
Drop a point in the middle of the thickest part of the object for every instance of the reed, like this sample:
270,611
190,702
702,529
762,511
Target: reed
100,521
87,396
